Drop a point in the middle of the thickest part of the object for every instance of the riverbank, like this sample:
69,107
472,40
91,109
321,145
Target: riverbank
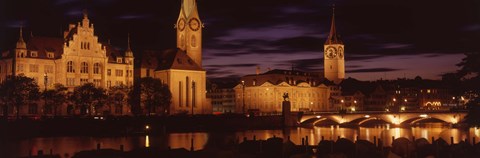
124,126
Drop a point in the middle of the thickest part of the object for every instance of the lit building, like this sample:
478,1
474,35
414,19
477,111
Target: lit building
263,93
72,60
181,69
222,95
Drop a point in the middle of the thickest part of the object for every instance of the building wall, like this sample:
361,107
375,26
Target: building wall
268,98
184,95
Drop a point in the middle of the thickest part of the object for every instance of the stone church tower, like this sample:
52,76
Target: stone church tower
189,31
334,62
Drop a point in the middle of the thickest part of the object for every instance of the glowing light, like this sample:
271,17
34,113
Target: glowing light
405,100
355,101
147,141
423,115
318,116
342,100
353,109
436,103
394,99
453,98
402,108
367,116
147,127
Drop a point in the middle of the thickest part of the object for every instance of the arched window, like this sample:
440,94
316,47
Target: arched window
70,67
96,68
84,68
182,41
194,42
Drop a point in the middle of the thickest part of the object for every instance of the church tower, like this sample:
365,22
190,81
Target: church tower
189,31
334,62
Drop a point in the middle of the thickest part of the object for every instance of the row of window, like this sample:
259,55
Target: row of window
33,68
84,67
96,82
188,84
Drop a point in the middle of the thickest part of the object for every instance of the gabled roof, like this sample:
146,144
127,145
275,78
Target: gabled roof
169,59
46,44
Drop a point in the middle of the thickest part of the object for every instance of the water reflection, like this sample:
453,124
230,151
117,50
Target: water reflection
68,146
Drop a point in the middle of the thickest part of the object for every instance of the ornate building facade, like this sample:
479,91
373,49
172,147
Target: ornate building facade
262,93
72,60
181,69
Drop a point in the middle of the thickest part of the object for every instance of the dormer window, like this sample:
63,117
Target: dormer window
119,60
50,55
34,54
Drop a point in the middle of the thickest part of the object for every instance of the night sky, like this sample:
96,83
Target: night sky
383,38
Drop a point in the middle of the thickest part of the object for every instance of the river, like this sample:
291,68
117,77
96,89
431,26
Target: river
68,146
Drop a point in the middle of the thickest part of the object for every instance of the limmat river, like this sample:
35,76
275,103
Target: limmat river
68,146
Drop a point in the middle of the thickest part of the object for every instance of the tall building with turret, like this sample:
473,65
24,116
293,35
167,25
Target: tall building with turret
181,68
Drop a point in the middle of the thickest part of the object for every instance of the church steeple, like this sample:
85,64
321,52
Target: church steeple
21,43
333,37
128,52
334,62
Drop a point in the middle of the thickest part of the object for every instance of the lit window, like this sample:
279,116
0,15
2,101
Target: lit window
33,54
70,67
96,68
84,68
119,60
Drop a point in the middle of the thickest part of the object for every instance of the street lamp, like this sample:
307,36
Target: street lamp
243,97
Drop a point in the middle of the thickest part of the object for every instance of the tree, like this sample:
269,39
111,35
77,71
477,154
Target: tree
89,98
469,76
18,91
154,94
118,96
55,97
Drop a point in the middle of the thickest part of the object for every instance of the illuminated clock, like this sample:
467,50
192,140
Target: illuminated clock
194,24
181,24
340,52
331,52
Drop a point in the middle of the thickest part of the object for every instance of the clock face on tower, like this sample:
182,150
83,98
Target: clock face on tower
181,24
331,52
194,24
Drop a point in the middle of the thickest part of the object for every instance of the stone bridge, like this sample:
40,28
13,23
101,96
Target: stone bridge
398,118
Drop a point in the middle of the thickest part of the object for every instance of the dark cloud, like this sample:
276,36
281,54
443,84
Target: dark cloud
230,65
372,70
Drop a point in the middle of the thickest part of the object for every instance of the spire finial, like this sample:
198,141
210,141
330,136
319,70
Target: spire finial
128,52
21,33
128,42
85,14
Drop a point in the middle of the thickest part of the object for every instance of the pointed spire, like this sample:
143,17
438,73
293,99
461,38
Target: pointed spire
21,43
128,52
333,37
128,42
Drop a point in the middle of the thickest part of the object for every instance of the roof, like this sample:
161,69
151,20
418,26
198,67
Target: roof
169,59
46,44
113,53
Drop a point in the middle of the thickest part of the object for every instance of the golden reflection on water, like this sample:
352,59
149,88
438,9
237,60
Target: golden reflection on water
70,145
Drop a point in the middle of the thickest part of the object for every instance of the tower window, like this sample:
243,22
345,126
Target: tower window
194,42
